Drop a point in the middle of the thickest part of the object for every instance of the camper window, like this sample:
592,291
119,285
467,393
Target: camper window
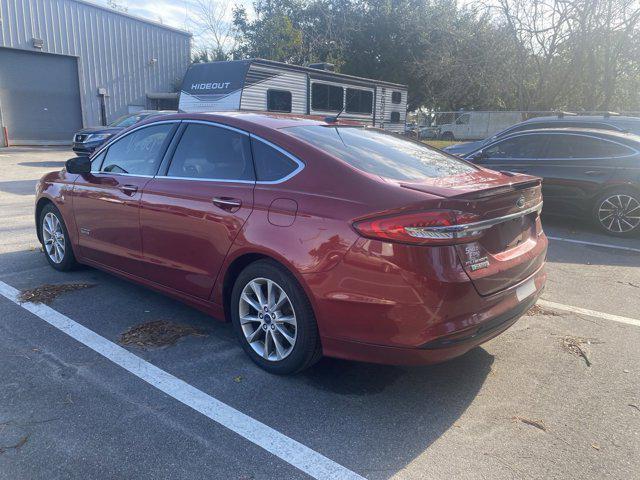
359,101
396,97
327,98
278,101
395,117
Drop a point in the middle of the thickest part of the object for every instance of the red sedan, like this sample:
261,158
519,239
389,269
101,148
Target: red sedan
313,237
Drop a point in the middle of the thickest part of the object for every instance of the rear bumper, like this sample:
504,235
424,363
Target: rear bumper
438,350
418,309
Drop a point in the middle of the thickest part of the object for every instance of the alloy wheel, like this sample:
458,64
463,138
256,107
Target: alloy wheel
619,213
267,319
53,236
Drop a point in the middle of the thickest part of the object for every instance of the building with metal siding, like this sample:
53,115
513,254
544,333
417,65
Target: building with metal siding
123,64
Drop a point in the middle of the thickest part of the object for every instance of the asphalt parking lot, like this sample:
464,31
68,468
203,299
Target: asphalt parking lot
556,396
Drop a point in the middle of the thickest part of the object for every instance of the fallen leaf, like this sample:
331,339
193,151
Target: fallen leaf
158,333
17,446
575,345
539,424
47,293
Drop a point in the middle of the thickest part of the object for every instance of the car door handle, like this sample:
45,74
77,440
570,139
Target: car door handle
594,173
128,189
227,203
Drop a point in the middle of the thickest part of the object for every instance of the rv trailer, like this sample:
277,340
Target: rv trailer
265,85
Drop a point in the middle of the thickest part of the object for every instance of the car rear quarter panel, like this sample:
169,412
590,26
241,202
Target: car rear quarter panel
321,203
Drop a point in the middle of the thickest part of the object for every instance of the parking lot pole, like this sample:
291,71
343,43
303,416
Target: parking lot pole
5,131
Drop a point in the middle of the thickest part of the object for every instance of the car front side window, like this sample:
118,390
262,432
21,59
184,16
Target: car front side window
138,153
212,153
519,147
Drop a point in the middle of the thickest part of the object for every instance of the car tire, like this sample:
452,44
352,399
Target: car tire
617,212
55,239
447,136
279,333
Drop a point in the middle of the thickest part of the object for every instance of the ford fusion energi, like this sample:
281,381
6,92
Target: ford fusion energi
311,236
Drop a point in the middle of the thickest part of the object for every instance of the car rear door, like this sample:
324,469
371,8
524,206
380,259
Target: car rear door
195,207
576,168
106,202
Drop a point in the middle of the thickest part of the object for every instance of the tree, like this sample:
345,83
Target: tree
213,23
118,5
489,54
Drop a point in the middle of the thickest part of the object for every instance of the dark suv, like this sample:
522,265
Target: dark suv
85,141
588,173
615,123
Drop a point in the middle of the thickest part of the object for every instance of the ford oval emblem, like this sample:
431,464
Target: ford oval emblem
520,202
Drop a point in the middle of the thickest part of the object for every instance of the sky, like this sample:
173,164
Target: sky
175,13
181,14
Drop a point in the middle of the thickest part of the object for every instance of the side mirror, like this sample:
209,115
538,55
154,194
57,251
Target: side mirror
78,165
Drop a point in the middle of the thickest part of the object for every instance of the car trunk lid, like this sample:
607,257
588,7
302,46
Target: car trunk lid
507,206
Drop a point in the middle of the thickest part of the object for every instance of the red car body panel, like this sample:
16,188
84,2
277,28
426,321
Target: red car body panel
373,300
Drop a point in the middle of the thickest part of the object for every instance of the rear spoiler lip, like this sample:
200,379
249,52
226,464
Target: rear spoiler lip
449,192
491,191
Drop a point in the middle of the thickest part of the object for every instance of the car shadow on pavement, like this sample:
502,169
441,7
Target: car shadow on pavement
19,187
373,419
388,415
43,164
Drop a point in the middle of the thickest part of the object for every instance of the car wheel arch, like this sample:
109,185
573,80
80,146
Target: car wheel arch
612,188
40,204
235,267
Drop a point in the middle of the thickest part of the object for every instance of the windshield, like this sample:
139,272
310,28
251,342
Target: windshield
127,120
381,153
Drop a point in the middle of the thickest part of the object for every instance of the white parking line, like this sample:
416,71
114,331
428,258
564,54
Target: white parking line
293,452
594,244
591,313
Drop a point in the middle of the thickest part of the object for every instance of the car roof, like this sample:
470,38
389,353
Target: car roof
247,119
612,119
611,134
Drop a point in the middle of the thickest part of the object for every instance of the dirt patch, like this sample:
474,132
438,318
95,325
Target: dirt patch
47,293
578,346
159,333
538,310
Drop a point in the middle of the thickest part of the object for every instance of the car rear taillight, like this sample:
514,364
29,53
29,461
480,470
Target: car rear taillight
432,227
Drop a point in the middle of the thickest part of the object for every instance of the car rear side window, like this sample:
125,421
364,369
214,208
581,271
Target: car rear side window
271,164
138,153
381,153
212,153
582,146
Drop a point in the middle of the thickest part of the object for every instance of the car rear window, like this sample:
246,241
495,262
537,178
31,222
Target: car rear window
381,153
